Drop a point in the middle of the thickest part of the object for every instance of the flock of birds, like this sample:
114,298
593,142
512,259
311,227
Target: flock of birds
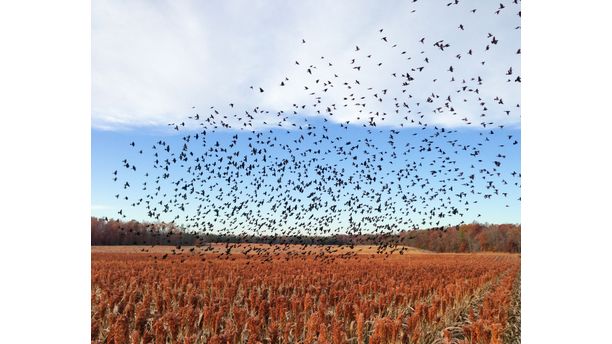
255,171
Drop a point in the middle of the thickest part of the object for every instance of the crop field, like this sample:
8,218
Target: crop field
255,249
268,294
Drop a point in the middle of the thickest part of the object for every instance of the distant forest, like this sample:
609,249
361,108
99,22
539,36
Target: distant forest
473,237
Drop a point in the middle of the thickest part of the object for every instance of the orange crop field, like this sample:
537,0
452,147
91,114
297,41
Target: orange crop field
170,295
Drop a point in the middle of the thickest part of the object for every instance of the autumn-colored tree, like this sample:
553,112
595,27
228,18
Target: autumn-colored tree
472,237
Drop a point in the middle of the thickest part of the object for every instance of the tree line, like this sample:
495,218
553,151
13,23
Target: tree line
474,237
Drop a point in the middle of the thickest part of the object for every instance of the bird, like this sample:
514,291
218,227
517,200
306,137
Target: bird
307,172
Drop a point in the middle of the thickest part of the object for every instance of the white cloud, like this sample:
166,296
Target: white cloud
153,61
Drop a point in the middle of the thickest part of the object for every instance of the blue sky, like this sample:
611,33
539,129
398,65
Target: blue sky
155,63
109,148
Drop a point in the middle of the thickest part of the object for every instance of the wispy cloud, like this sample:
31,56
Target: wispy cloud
153,61
101,207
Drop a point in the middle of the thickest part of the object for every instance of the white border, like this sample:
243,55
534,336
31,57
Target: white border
566,175
45,171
